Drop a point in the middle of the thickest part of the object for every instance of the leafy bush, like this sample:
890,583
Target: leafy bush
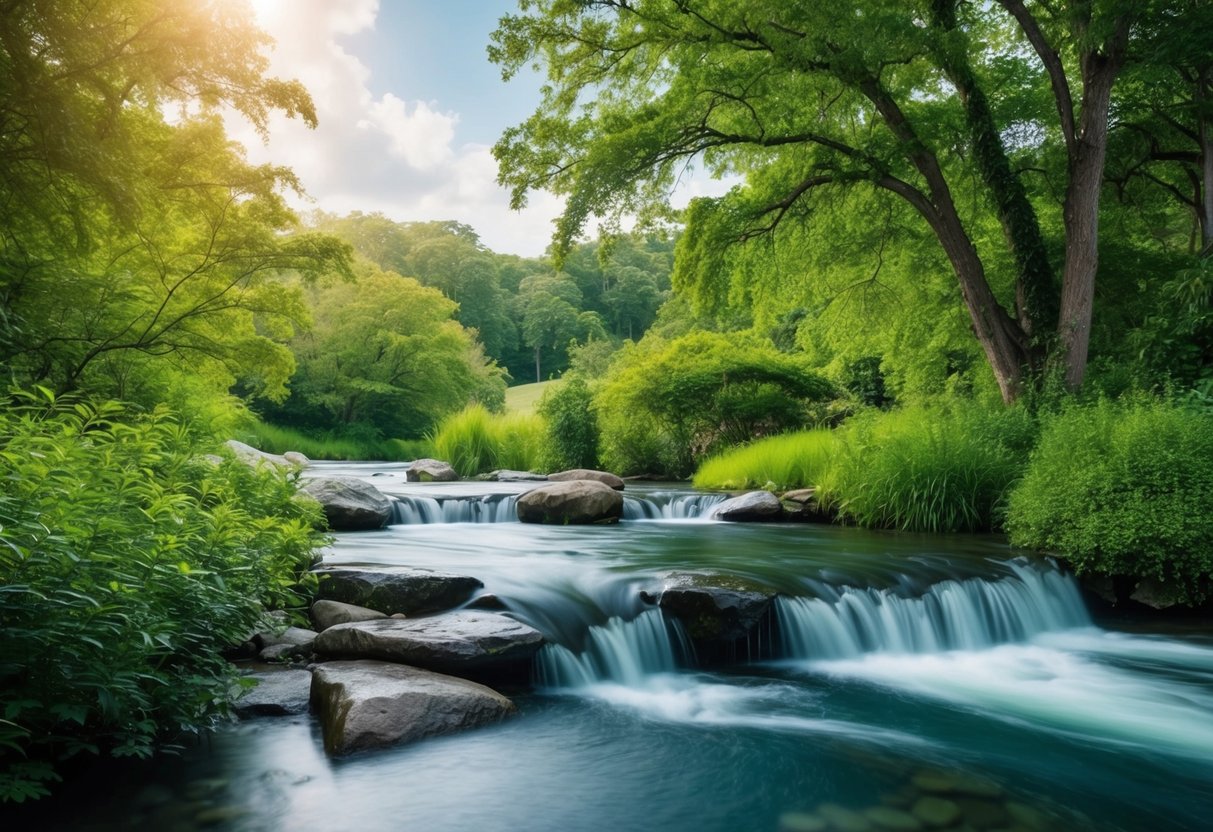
474,441
928,468
793,460
666,405
276,439
128,560
572,426
1123,489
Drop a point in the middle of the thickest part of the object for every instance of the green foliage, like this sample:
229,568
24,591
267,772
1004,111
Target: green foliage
791,460
1123,489
128,561
665,405
572,425
475,441
276,439
385,357
933,469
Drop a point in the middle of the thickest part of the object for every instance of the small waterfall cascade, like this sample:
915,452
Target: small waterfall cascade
618,651
951,615
670,506
500,508
491,508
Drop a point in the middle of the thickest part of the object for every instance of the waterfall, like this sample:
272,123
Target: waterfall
491,508
951,615
670,506
618,651
499,508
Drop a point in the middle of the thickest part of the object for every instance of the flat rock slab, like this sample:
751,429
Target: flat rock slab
750,507
465,643
366,704
604,477
350,504
576,502
402,590
278,693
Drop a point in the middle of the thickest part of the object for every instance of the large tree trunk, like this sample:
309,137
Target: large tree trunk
1099,73
1203,85
537,376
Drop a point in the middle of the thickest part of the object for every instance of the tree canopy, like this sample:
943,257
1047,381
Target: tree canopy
985,125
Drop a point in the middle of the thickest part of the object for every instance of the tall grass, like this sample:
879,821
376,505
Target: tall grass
792,460
928,469
474,441
276,439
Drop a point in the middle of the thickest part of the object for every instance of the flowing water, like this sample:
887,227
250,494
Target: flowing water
894,669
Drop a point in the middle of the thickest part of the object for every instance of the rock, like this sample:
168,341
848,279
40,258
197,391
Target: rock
587,474
801,822
801,506
754,506
982,814
349,503
888,818
1027,816
252,457
488,601
404,590
399,616
1156,594
955,782
297,459
293,642
278,693
327,613
467,643
514,476
366,704
842,819
1102,587
935,811
567,503
714,606
430,470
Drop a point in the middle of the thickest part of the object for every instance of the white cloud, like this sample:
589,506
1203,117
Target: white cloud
379,153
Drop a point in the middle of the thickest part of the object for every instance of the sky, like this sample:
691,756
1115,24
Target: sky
409,109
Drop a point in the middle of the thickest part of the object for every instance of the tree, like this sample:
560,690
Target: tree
921,101
133,250
385,354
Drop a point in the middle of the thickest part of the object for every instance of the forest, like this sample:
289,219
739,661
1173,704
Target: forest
963,283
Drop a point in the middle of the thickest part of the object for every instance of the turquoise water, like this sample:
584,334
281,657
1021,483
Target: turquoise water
896,668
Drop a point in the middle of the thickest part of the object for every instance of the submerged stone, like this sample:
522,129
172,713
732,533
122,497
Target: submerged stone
982,814
887,817
801,822
366,704
843,819
935,811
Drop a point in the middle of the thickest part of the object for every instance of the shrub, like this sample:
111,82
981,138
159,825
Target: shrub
474,441
666,405
928,468
1123,489
127,562
276,439
793,460
572,426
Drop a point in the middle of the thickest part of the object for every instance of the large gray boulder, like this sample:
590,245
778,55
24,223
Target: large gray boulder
291,643
430,470
327,614
577,502
587,474
278,693
714,607
505,475
753,506
466,643
802,506
366,704
396,590
349,503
